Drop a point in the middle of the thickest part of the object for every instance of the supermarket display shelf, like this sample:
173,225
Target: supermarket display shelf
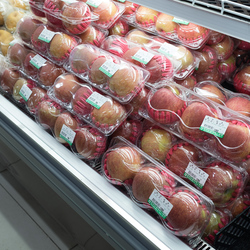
229,17
113,215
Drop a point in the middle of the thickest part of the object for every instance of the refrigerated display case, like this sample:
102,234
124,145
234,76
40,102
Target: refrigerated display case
107,210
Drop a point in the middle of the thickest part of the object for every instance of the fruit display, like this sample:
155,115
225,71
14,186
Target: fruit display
153,187
150,112
106,72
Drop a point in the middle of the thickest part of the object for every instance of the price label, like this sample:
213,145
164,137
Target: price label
67,134
214,126
38,61
196,175
94,3
69,1
13,42
181,21
109,68
160,204
143,56
122,1
46,35
96,100
168,49
25,92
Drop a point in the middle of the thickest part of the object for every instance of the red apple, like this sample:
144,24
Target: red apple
165,105
146,17
67,120
215,37
240,104
189,82
28,67
241,80
120,28
138,36
227,67
17,54
164,24
37,96
8,79
122,163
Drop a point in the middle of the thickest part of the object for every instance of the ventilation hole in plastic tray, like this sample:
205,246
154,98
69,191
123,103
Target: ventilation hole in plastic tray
202,245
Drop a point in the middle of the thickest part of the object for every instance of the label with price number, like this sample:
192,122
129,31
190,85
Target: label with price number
46,35
96,100
38,61
67,134
181,21
25,92
122,1
109,68
143,56
160,204
94,3
214,126
196,175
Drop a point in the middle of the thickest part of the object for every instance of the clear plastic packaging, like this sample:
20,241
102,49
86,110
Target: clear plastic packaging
184,60
54,45
5,38
154,188
241,79
100,111
159,66
119,28
169,27
112,75
12,17
4,8
214,128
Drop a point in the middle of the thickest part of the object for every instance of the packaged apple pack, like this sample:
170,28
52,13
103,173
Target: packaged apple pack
52,44
216,129
130,9
184,60
100,111
152,187
107,72
21,4
71,15
169,27
160,67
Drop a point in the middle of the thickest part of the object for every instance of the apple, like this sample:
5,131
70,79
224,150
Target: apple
65,87
47,113
129,129
38,95
215,37
130,53
90,143
165,105
235,144
17,54
156,143
241,80
26,28
28,67
192,119
240,104
66,119
146,180
185,57
189,82
8,79
138,36
145,16
36,7
122,163
215,76
227,67
180,155
120,28
164,24
223,184
211,92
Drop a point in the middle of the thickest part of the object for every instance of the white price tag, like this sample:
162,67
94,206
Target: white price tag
109,68
181,21
196,175
67,134
38,61
143,56
96,100
69,1
46,35
168,49
25,92
122,1
214,126
94,3
160,204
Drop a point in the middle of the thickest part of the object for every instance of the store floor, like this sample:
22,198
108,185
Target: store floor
25,225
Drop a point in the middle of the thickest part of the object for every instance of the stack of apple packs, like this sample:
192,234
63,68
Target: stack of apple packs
150,107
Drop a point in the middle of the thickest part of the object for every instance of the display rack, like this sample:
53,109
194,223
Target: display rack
229,17
112,214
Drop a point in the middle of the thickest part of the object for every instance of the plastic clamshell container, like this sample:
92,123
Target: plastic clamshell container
200,121
153,187
169,27
110,74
